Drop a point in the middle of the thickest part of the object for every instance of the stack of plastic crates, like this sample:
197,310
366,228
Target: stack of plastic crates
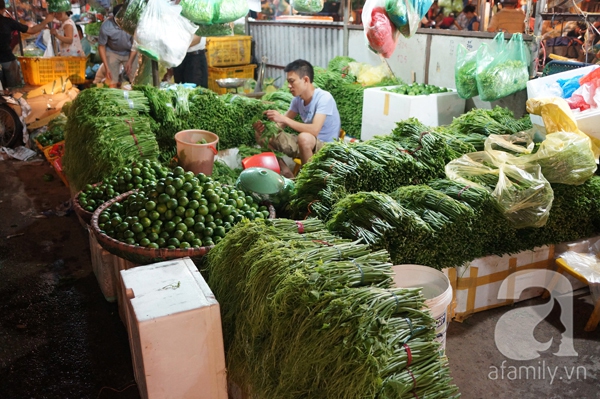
228,57
39,71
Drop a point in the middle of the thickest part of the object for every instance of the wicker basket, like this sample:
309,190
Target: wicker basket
79,211
142,255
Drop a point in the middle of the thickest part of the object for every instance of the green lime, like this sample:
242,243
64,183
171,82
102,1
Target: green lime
152,237
219,231
150,205
208,232
178,171
173,242
178,234
189,222
169,226
203,210
193,204
182,227
161,242
199,227
212,208
196,243
199,218
172,204
137,228
209,218
153,245
196,194
189,236
184,245
177,183
187,187
144,242
180,211
170,190
169,214
190,213
180,193
183,201
154,215
161,208
146,222
176,219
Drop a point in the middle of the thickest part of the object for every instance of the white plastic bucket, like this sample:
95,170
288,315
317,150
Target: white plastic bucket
193,156
436,290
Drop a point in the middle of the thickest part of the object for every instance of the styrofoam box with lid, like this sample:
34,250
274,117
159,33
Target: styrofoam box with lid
382,110
174,332
588,121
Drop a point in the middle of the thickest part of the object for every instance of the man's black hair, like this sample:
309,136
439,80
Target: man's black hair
302,68
2,5
115,8
469,8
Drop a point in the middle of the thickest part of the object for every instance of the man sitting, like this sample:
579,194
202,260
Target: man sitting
317,109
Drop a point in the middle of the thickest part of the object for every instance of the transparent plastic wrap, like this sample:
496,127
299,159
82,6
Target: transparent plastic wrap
586,264
163,34
128,16
522,193
229,10
380,32
59,5
465,72
199,11
500,74
307,5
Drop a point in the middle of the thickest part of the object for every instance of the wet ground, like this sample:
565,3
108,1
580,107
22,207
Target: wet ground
60,339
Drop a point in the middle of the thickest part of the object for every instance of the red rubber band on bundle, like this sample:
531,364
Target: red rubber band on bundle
414,382
308,207
408,354
135,140
300,227
463,190
323,242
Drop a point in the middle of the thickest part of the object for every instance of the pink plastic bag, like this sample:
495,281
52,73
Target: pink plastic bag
381,34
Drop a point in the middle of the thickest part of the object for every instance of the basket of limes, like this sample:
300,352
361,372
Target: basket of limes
180,215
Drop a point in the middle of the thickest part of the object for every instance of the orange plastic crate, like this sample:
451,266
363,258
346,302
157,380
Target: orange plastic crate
38,71
57,165
54,151
242,71
228,50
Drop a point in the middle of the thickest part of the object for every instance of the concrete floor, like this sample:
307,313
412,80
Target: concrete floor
60,339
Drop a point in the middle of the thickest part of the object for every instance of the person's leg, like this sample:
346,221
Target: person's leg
306,144
134,68
114,66
179,72
12,74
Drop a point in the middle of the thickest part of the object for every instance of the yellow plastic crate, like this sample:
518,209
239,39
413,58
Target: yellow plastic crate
228,50
38,71
242,71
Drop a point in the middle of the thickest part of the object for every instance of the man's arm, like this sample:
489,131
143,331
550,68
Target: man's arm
313,128
129,64
38,28
493,24
102,52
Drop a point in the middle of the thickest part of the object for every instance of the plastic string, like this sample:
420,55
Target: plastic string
135,140
462,190
362,274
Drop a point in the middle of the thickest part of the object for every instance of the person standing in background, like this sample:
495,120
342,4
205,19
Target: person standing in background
69,42
11,69
510,19
194,67
114,46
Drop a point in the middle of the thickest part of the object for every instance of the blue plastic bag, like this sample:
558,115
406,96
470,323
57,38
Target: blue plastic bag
569,85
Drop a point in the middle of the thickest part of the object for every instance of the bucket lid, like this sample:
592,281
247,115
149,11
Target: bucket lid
260,180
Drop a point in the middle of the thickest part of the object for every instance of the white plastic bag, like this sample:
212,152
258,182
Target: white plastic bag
163,34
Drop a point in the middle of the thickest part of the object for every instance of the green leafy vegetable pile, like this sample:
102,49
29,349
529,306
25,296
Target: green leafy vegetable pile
55,132
502,79
416,89
214,30
295,306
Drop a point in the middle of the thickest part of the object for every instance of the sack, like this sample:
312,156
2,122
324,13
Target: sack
198,11
502,73
565,47
163,34
307,5
381,34
465,72
229,11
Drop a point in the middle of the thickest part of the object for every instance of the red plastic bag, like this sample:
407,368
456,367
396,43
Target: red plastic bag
381,34
590,77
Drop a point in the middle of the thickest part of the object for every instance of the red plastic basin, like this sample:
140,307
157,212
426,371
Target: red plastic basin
265,160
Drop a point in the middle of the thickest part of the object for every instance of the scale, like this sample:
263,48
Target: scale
233,84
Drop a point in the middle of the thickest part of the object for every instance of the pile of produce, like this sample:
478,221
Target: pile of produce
93,28
412,154
128,178
54,133
298,302
179,211
417,89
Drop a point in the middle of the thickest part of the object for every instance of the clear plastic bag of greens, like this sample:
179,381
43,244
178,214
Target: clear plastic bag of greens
522,193
229,10
163,34
465,72
59,5
129,15
199,11
307,5
500,74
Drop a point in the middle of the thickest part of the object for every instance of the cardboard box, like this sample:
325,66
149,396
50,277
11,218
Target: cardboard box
478,282
382,110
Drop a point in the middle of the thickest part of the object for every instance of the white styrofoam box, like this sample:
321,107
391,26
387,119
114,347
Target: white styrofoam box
478,282
382,110
102,267
174,332
588,121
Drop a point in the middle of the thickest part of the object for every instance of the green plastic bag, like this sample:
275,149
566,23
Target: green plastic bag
229,11
59,5
199,11
307,5
501,73
396,11
465,72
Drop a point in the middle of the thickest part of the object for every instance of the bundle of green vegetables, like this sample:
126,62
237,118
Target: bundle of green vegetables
223,174
98,102
214,30
293,304
129,15
416,89
93,28
495,121
55,131
99,147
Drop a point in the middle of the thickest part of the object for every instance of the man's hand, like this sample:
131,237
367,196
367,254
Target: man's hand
49,18
53,31
275,116
259,126
127,68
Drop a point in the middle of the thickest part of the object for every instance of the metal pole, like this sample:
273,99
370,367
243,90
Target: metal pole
14,8
537,33
155,77
346,4
482,24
